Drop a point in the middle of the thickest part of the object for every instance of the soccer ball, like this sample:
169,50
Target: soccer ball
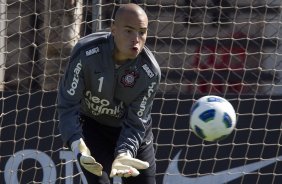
212,118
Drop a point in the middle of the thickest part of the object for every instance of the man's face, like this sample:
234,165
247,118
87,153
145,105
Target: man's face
130,33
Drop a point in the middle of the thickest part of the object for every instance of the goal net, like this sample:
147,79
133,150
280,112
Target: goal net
228,48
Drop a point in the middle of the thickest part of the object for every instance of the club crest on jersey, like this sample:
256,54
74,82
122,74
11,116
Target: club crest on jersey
129,78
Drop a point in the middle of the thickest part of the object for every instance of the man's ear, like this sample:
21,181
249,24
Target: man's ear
113,28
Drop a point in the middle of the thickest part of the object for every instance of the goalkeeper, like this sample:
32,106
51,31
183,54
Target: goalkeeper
105,100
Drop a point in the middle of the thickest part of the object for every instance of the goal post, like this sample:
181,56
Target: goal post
3,27
227,48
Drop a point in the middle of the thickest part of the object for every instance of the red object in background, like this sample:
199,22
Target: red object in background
215,59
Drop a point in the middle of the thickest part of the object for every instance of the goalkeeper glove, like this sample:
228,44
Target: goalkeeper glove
84,157
125,166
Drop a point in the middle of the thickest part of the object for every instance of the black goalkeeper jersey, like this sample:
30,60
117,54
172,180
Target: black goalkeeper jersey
115,96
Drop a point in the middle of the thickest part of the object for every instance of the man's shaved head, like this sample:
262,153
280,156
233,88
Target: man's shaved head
129,10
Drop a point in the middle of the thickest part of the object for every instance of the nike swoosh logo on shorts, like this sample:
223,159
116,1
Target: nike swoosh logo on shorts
148,142
174,176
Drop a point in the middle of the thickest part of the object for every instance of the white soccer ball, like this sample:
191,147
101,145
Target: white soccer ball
212,118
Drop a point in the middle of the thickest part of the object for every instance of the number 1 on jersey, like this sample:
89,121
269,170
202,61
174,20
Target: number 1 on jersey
101,80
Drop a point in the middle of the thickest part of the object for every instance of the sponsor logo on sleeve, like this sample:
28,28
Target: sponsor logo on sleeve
75,79
92,51
148,71
145,99
174,176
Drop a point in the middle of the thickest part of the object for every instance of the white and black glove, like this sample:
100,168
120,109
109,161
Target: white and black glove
84,157
125,166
